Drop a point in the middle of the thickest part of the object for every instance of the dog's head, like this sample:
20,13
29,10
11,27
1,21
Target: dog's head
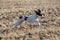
38,12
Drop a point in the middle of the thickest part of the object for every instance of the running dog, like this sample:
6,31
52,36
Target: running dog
32,18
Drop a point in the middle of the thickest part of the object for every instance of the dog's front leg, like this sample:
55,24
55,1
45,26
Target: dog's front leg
38,23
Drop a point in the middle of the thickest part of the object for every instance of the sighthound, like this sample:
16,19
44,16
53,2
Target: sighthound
31,19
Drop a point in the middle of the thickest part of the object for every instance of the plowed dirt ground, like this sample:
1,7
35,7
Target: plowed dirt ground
11,9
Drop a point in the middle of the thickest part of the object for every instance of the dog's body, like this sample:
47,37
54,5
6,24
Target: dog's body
31,18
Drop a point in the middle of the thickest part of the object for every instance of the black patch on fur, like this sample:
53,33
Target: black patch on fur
38,12
26,18
20,17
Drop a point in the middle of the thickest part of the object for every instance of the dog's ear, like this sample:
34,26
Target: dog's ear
35,11
39,11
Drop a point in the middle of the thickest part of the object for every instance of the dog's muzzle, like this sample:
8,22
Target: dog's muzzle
42,16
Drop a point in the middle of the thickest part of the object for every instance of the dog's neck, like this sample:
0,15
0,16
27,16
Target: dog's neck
36,15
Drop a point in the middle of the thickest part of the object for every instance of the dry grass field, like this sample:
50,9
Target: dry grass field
12,9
